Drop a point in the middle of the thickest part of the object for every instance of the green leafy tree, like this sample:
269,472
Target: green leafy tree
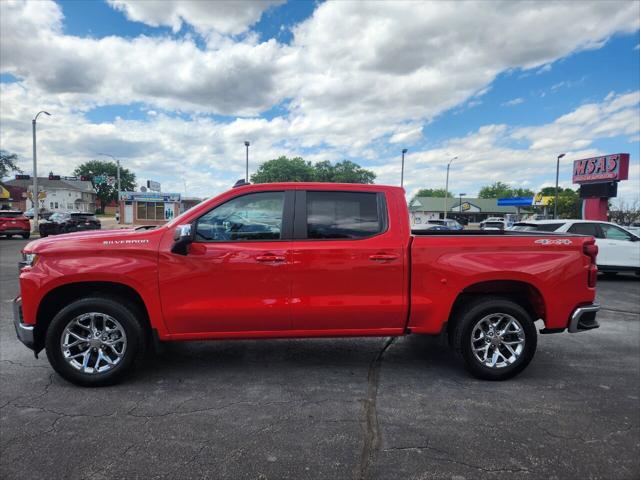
569,203
8,163
283,169
502,190
349,172
105,192
432,192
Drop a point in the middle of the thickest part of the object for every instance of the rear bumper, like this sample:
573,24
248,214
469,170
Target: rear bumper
24,332
584,318
14,231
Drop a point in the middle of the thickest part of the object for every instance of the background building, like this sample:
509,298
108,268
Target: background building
148,208
64,195
467,210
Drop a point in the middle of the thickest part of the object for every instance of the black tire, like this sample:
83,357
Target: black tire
25,236
43,235
470,315
129,319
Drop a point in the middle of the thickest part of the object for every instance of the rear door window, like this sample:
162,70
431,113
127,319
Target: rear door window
585,229
343,215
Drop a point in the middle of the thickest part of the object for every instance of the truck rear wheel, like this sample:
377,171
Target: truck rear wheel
496,338
95,341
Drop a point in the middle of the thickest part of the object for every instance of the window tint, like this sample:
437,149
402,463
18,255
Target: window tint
549,227
257,216
342,215
584,229
614,233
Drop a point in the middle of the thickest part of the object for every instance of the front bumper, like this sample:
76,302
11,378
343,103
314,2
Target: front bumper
584,318
24,332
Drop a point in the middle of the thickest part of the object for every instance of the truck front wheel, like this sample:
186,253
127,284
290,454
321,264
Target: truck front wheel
95,341
496,338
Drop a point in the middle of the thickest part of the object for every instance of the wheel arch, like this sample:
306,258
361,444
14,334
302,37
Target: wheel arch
520,292
61,296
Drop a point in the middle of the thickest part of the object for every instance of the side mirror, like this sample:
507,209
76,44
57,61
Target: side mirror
183,235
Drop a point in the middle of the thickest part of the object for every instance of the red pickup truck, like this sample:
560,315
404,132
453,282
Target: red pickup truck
299,260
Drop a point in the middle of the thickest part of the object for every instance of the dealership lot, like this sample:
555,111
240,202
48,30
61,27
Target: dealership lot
331,408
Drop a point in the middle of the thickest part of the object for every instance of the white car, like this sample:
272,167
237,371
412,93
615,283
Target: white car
618,248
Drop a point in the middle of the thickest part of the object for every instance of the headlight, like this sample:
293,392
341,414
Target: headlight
28,260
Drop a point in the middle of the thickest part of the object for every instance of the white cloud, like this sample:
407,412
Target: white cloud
487,155
513,102
222,16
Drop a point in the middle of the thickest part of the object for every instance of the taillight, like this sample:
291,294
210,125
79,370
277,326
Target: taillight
590,249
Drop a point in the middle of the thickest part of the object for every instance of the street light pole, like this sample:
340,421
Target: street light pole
446,188
246,175
555,201
404,150
34,197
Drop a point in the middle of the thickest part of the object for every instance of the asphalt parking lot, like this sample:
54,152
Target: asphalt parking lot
331,408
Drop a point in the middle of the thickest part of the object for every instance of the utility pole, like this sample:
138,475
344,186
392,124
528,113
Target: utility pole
555,201
34,198
246,175
404,150
446,188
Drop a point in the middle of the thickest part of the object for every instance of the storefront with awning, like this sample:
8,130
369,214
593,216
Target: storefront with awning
148,208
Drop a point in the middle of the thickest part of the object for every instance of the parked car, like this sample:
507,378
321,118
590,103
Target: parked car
13,222
618,248
494,223
448,223
68,222
42,213
319,260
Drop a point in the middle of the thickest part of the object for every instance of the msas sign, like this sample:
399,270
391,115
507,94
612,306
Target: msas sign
601,169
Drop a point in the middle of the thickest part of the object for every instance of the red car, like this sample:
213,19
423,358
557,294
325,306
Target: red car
299,260
13,222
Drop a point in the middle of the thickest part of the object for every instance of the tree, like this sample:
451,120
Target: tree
106,193
432,192
8,163
624,213
502,190
350,172
283,169
569,203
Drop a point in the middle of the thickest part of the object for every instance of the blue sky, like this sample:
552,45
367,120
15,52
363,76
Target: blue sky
176,87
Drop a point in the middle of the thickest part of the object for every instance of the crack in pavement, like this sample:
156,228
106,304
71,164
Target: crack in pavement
616,310
371,434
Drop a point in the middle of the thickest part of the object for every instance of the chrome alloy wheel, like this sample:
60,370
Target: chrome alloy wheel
497,340
93,343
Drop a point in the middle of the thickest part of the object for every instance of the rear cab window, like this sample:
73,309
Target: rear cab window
336,215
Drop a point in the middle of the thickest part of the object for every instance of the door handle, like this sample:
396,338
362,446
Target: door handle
270,258
382,257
